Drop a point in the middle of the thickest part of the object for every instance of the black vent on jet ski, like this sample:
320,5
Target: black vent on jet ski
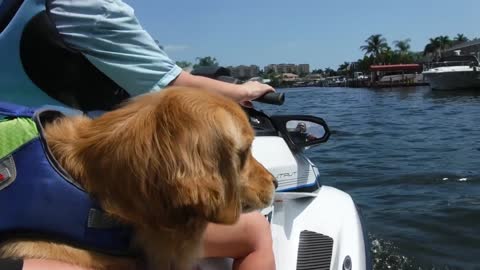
314,251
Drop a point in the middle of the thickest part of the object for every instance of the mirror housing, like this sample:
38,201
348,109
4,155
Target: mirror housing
301,131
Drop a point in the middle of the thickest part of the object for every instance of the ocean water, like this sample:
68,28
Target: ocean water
410,158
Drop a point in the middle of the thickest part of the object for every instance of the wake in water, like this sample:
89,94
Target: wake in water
387,256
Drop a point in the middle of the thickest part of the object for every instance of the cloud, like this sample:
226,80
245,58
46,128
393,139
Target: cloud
175,48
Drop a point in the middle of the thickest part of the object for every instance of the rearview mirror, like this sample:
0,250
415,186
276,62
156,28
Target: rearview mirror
302,131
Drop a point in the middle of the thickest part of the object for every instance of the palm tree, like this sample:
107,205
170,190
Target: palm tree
344,68
183,64
437,46
365,63
432,48
460,38
388,56
445,42
330,72
376,45
402,54
403,46
206,61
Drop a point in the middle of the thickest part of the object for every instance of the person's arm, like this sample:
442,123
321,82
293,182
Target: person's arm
120,48
109,35
238,92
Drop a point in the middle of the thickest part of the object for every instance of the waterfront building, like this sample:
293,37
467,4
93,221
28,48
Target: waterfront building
244,72
303,69
287,68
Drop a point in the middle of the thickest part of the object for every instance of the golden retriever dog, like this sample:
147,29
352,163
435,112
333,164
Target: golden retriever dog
166,163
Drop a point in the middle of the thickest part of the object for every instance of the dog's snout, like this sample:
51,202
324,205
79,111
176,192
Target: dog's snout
275,182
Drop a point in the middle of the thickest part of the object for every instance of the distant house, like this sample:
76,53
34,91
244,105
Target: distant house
466,48
289,77
313,77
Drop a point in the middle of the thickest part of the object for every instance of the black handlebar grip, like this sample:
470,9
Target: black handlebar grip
272,98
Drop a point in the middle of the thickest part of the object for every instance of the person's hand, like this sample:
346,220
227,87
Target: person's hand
255,89
311,138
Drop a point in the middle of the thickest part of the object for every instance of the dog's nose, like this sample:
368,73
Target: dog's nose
275,182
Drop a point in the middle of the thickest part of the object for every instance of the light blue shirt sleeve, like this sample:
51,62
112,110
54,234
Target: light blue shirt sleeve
110,36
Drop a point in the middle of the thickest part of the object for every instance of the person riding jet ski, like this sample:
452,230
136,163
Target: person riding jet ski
93,54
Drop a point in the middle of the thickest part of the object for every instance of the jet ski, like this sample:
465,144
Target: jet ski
313,226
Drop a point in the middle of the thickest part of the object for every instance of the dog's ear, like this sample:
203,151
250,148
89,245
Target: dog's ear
215,206
211,184
204,157
228,208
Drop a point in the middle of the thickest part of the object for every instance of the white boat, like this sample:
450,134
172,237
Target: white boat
454,73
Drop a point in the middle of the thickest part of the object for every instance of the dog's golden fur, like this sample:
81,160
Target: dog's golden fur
167,163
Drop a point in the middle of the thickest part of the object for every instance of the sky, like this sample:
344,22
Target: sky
316,32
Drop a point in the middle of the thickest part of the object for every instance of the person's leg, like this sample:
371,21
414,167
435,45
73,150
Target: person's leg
248,242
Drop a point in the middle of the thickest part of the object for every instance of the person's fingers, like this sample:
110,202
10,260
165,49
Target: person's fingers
271,89
257,89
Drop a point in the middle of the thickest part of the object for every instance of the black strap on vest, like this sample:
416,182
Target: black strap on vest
64,73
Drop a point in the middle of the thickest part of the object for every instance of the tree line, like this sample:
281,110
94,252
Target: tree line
206,61
377,52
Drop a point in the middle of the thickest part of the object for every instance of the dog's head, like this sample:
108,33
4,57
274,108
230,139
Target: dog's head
170,157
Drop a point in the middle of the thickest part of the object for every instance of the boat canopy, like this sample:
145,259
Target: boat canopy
398,67
460,58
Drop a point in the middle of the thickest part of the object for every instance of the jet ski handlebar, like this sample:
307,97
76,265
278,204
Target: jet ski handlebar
272,98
